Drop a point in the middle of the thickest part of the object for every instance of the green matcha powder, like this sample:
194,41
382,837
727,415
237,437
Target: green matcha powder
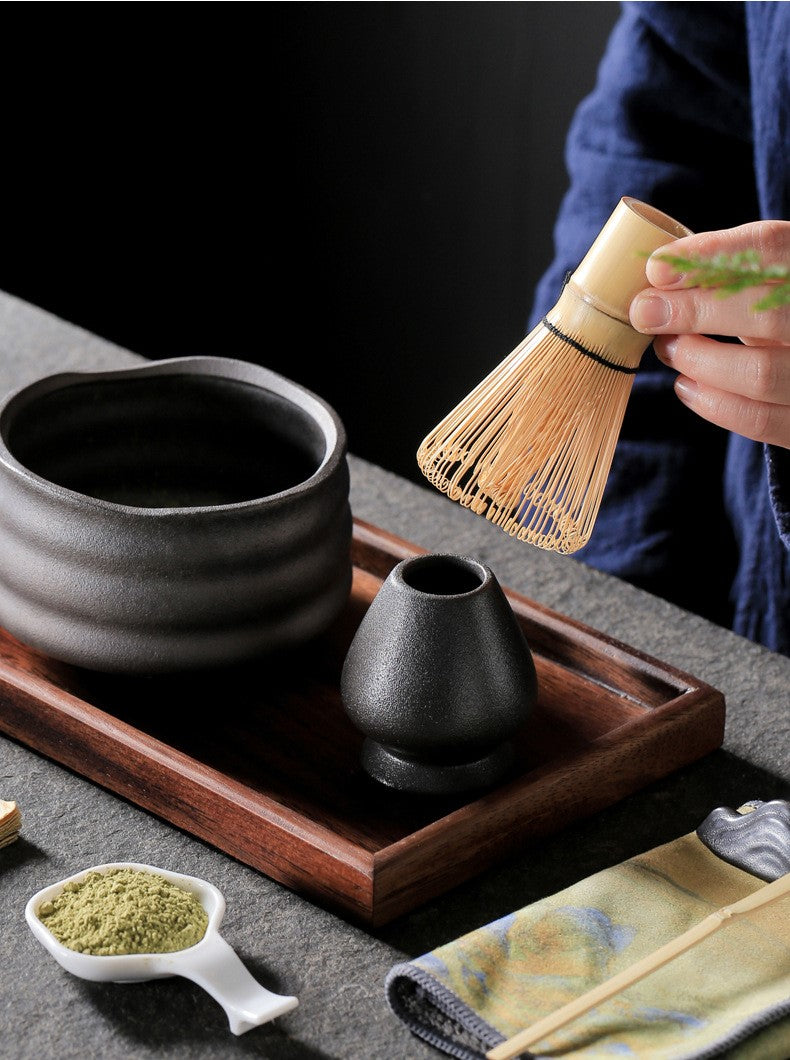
124,911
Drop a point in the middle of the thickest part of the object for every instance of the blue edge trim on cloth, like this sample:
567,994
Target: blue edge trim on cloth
446,1002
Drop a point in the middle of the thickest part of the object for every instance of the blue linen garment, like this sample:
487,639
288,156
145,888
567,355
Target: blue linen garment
690,114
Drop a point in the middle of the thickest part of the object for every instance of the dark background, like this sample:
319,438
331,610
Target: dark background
357,195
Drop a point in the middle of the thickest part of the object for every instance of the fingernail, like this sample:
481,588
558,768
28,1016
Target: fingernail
649,312
662,274
666,349
686,389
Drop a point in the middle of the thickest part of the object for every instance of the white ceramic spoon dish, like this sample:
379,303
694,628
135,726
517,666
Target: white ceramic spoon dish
211,963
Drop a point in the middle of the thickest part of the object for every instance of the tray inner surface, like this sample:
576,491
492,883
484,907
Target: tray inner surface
278,731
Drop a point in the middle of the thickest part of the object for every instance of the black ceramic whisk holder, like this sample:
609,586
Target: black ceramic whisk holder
439,678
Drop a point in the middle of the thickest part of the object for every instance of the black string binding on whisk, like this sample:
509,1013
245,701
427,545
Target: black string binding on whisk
587,353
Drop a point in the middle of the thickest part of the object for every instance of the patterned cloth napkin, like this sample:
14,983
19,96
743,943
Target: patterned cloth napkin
728,995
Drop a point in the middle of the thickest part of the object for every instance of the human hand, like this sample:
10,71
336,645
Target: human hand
743,388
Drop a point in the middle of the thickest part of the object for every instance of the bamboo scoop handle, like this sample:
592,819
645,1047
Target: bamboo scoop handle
522,1041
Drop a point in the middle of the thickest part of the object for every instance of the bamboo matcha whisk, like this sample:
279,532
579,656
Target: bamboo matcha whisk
531,446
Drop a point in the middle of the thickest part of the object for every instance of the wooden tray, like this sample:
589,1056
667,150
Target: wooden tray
262,762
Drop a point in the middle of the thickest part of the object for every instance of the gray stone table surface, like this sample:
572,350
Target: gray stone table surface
337,969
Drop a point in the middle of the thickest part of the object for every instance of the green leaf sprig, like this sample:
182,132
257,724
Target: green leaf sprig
730,273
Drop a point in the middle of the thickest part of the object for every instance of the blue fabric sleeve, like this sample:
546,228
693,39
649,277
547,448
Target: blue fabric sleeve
778,467
669,123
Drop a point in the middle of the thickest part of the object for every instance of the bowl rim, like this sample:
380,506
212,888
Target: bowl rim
317,408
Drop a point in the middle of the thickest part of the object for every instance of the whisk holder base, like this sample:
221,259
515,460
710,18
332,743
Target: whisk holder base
405,773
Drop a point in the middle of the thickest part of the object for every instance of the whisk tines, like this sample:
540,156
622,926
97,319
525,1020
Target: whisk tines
531,446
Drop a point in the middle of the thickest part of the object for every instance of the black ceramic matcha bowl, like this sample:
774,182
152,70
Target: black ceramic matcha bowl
183,514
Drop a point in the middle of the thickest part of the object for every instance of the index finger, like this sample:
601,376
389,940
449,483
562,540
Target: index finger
770,239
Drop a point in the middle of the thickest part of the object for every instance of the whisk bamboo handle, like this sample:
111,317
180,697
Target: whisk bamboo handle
596,299
612,271
522,1041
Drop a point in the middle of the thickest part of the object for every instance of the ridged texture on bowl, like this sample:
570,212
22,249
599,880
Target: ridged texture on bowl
180,515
